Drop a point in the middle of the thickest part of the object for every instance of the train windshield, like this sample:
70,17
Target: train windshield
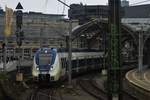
45,59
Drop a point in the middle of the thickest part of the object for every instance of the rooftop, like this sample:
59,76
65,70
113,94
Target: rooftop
139,11
35,13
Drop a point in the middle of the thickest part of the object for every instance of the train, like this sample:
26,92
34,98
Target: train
51,64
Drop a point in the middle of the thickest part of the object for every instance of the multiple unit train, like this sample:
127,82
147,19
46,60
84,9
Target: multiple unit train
52,64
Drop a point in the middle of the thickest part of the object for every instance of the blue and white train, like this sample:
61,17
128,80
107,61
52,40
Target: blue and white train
52,64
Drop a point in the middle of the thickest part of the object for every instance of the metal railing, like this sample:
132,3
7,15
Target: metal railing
13,54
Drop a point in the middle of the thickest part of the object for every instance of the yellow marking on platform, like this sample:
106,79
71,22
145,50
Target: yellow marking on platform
146,74
132,78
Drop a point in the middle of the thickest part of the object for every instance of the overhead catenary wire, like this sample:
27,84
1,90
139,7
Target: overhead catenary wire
64,3
64,7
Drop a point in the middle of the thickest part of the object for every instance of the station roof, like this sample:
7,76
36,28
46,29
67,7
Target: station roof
139,11
96,27
78,10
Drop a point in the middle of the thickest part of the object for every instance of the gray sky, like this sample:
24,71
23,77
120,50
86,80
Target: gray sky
52,6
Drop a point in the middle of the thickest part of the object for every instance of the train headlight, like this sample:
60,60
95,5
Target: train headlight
37,68
51,68
45,51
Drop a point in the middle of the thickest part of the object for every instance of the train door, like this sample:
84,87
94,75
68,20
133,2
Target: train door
62,61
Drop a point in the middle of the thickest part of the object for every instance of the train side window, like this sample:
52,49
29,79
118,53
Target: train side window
93,61
100,60
62,62
66,64
85,61
97,60
89,61
81,62
77,64
74,63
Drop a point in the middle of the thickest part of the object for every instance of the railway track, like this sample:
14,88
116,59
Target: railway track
46,94
90,87
4,94
128,96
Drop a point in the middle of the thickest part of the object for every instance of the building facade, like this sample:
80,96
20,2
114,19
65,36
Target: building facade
39,29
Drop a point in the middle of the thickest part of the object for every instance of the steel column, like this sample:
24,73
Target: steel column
70,53
141,47
114,72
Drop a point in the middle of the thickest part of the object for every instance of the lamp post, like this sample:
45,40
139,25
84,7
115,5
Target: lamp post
69,48
140,49
70,52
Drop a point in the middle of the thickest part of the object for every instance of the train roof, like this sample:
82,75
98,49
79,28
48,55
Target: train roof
73,50
78,50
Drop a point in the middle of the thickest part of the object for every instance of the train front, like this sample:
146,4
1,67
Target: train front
45,65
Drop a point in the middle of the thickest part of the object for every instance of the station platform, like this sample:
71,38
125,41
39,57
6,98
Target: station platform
9,66
140,79
12,65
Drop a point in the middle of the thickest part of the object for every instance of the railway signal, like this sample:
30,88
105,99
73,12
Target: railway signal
19,32
19,35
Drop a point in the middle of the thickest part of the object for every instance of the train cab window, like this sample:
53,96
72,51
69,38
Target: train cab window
45,59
